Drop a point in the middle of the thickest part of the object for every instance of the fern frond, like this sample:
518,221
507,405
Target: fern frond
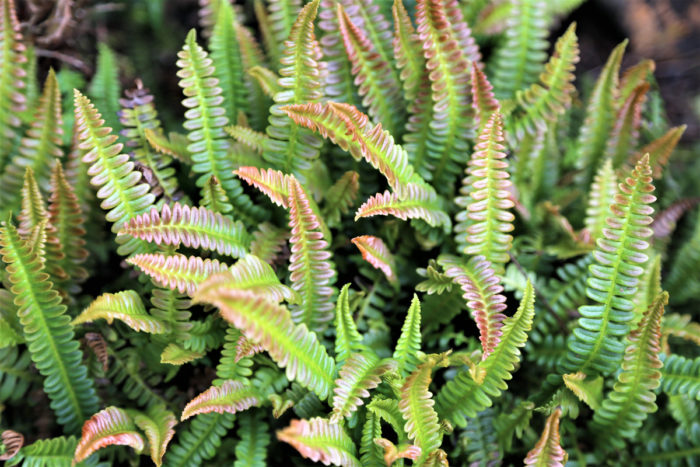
660,150
586,388
50,341
376,253
602,108
464,397
543,102
360,373
157,424
200,441
632,398
251,450
105,89
625,133
321,441
613,279
312,272
214,197
684,266
258,102
341,197
374,76
40,146
255,140
518,60
52,452
409,343
205,123
177,272
270,325
416,406
137,115
679,326
600,198
119,188
371,453
273,183
231,365
268,242
266,79
33,211
681,447
174,145
484,102
483,293
392,453
109,427
174,354
548,451
680,375
12,78
126,307
15,374
635,76
487,220
232,397
191,227
347,339
171,308
418,202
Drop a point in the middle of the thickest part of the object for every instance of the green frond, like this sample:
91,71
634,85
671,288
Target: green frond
632,398
680,375
227,60
52,452
487,221
119,184
12,78
251,449
436,282
416,406
481,439
340,197
231,366
266,79
409,343
548,451
172,309
484,101
126,307
319,440
177,272
214,197
137,115
683,266
33,211
49,336
231,397
200,441
600,198
268,242
684,410
15,373
347,339
603,105
360,373
374,76
258,101
635,76
109,427
158,426
270,325
545,101
175,354
376,253
371,454
126,373
191,227
174,145
679,326
312,271
463,397
448,49
205,122
483,293
519,58
388,411
586,388
291,148
679,448
419,201
619,259
105,89
39,148
408,53
255,140
514,422
623,138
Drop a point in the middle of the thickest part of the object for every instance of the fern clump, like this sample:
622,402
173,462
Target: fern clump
353,232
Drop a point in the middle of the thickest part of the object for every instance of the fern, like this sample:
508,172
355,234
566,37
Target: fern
409,343
200,441
126,307
680,375
613,277
53,452
347,339
12,78
319,440
111,426
376,253
548,450
231,397
105,88
251,450
49,337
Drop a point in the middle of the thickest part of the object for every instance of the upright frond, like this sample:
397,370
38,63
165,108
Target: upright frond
12,78
623,138
105,89
409,343
600,197
548,451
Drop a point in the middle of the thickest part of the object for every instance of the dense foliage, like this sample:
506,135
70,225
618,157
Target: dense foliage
398,236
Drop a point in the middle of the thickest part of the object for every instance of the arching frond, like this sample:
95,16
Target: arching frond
376,253
158,425
321,441
680,375
126,307
232,397
359,373
109,427
418,202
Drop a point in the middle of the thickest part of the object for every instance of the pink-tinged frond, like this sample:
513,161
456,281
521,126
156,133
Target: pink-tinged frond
350,129
98,345
625,133
484,101
12,442
660,150
419,202
311,271
271,182
126,307
266,323
245,348
483,292
548,450
360,373
191,227
158,424
177,272
321,441
376,253
254,275
665,221
231,397
111,426
392,453
634,76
